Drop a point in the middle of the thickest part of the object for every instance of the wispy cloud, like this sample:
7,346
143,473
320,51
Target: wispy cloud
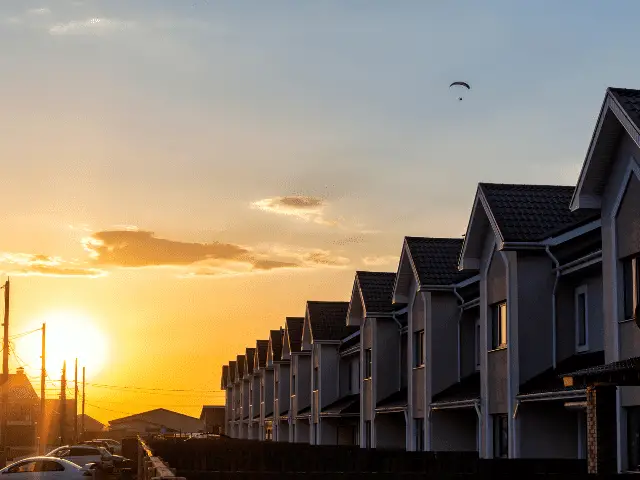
92,26
26,264
309,209
39,11
379,260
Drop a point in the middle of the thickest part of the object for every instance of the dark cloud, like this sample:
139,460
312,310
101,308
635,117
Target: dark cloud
26,264
298,201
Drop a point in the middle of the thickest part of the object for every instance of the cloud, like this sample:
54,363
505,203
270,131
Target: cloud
39,11
309,209
26,264
92,26
379,260
139,248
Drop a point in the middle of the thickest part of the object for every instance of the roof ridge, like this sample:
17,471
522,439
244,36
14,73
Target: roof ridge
435,239
536,185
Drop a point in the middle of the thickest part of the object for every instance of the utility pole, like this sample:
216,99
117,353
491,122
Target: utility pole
5,370
75,404
83,371
63,403
43,376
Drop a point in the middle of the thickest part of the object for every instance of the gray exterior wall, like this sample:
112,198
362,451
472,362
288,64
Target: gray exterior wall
535,325
496,278
497,371
418,387
549,430
387,357
468,341
454,430
267,384
565,313
329,376
628,220
443,336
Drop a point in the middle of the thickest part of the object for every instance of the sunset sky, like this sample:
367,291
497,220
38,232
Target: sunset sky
177,176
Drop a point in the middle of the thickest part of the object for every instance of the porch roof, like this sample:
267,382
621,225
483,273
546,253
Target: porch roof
550,380
622,373
468,388
394,402
349,405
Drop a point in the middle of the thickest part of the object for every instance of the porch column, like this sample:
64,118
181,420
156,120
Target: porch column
601,429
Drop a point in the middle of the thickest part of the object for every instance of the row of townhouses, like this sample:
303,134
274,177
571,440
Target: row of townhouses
464,346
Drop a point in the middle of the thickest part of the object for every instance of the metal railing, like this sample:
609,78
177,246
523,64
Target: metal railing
151,467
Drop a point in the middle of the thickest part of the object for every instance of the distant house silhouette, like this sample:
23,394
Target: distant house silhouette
159,420
213,418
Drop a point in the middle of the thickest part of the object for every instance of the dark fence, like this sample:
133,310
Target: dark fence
211,459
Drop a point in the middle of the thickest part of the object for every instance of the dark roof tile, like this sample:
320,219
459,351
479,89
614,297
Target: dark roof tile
328,320
468,388
275,337
294,330
376,289
396,400
550,380
240,364
348,405
225,377
436,259
629,100
530,213
261,350
250,353
232,371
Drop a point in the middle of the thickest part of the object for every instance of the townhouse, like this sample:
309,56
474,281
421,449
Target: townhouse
335,405
228,400
264,380
491,342
281,389
382,356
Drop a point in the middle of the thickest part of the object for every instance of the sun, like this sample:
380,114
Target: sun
69,335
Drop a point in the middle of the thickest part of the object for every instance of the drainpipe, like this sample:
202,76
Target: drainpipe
461,300
553,303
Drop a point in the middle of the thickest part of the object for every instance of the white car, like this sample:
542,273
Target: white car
114,444
83,454
45,468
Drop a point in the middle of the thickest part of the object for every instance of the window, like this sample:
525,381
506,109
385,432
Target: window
418,434
582,319
367,363
367,434
350,377
29,466
499,325
633,438
293,384
500,436
418,348
631,285
262,392
49,466
316,378
477,342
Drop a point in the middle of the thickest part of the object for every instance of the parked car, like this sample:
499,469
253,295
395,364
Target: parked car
116,445
99,443
83,454
45,468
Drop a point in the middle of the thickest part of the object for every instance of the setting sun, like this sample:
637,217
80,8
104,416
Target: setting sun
69,335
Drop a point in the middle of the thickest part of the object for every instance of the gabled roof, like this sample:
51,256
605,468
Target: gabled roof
225,377
518,214
261,353
619,115
275,344
240,361
376,290
431,262
250,353
232,371
328,321
294,332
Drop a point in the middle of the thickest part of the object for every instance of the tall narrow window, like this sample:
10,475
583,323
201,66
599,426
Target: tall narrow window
582,319
418,348
477,343
500,436
293,384
367,434
628,286
367,363
350,377
419,434
499,325
316,378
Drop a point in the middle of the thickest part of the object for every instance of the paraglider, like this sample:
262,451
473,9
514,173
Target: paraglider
462,85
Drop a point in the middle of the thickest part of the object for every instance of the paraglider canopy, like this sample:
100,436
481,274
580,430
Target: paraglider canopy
460,84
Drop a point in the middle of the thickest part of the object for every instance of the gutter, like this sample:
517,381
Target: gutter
591,256
559,395
521,246
455,404
553,306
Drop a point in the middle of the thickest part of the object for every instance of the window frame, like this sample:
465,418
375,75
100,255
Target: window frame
477,333
293,384
498,330
368,363
581,290
418,349
316,378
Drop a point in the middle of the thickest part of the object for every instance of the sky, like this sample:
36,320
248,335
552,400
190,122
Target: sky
179,176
